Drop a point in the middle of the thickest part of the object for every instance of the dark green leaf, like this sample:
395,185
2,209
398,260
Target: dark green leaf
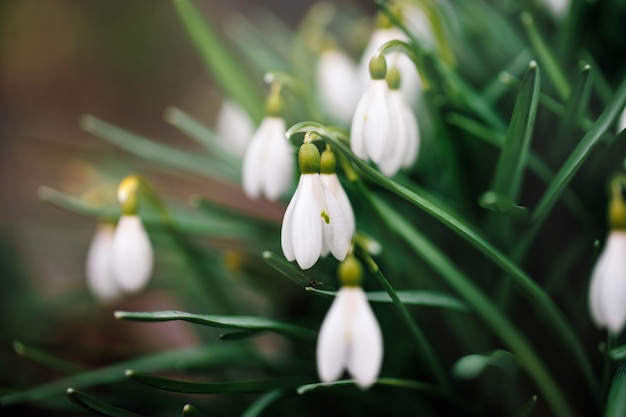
290,270
471,366
261,403
46,359
616,402
97,406
232,322
392,382
502,204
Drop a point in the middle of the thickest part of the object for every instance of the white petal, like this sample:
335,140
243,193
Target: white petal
357,129
595,300
334,186
337,84
336,230
132,254
398,143
279,164
253,164
99,268
379,129
286,231
332,340
621,124
366,349
613,284
306,231
234,127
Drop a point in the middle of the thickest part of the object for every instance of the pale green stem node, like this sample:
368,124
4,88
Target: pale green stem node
378,67
309,159
328,162
350,272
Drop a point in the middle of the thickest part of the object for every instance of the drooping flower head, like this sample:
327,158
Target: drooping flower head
99,266
337,84
350,337
314,222
607,292
233,127
328,172
268,161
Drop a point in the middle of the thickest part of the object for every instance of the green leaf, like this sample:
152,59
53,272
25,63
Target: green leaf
545,56
544,304
421,298
178,359
97,406
618,353
260,404
190,411
226,70
160,155
616,401
192,387
391,382
527,408
511,165
502,204
290,270
45,358
232,322
576,104
471,366
575,160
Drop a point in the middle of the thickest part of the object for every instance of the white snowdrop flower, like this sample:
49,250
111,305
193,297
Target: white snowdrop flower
411,83
372,125
313,222
233,127
621,123
132,255
350,337
268,162
328,172
337,84
99,266
607,291
558,8
404,144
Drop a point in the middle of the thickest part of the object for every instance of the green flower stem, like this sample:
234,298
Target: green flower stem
422,341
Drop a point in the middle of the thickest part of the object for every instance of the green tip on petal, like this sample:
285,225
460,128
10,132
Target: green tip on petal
378,68
350,272
617,207
328,162
309,159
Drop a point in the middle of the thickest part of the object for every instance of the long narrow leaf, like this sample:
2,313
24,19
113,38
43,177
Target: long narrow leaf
46,359
392,382
289,270
231,322
83,400
257,407
616,402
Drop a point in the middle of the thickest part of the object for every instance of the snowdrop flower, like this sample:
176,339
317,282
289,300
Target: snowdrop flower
372,125
607,292
314,222
268,162
350,337
337,84
411,83
132,256
558,8
405,144
99,266
234,127
328,172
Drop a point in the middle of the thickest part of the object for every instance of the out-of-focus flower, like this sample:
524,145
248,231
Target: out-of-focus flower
132,254
350,337
233,127
268,162
372,125
314,221
607,292
558,8
337,84
99,266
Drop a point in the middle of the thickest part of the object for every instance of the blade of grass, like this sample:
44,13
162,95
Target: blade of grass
189,387
575,109
96,406
290,271
260,404
507,180
616,401
229,322
420,298
391,382
150,150
496,88
546,58
544,304
44,358
179,359
226,70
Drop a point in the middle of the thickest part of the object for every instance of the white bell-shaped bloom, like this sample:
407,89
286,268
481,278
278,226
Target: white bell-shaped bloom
233,127
372,126
314,222
411,83
558,8
404,145
99,266
621,122
607,292
350,338
268,162
132,254
337,84
331,181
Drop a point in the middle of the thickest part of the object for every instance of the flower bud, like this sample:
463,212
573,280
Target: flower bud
350,272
